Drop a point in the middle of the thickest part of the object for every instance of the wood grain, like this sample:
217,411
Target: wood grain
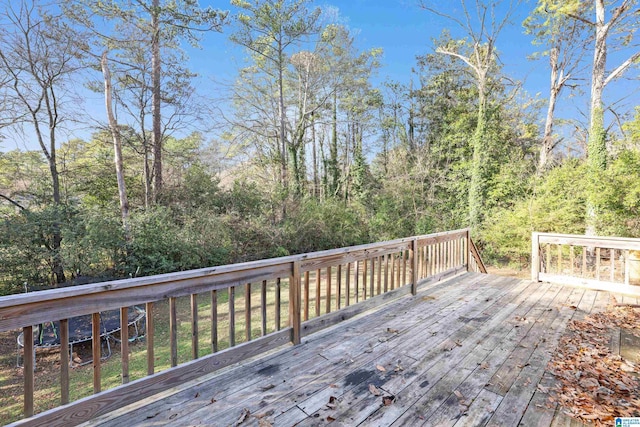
124,343
64,361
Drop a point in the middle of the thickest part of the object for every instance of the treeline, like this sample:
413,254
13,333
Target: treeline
303,152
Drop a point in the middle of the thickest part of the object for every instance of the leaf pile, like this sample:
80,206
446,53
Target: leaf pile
593,383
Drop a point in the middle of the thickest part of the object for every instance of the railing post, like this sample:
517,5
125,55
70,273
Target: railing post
467,252
294,302
535,256
414,266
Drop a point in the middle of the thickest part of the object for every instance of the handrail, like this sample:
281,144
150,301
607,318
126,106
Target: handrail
598,262
311,291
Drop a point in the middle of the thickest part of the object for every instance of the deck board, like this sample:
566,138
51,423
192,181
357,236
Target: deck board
468,351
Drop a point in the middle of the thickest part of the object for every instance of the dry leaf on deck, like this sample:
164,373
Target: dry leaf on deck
428,298
381,368
374,390
484,365
388,400
243,417
458,395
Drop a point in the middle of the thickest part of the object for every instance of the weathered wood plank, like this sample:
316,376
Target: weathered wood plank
306,295
124,345
247,376
194,326
148,336
328,291
214,321
173,331
28,360
294,303
592,284
111,295
64,361
95,349
232,315
120,396
263,308
247,312
318,291
278,305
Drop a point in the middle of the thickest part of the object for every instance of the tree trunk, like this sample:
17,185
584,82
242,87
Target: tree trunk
156,101
556,85
316,182
597,150
596,147
476,184
117,148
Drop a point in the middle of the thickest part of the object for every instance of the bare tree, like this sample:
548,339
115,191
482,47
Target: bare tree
40,54
117,146
564,42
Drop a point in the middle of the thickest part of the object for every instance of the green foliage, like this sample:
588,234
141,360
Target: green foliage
557,204
316,226
161,243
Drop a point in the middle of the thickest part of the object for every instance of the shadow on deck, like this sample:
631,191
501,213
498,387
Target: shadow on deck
469,351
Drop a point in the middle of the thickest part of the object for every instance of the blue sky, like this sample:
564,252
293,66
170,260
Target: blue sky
400,27
403,30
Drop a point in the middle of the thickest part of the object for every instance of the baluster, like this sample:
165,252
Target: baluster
194,326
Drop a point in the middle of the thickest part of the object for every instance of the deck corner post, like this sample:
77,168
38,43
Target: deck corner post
295,303
535,256
414,266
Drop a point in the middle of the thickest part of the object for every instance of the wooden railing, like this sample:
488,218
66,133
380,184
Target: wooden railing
233,312
605,263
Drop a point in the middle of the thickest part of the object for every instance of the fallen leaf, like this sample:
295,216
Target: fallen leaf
458,395
393,331
267,387
196,396
330,419
398,368
381,368
388,400
374,390
333,385
243,417
428,298
542,389
484,365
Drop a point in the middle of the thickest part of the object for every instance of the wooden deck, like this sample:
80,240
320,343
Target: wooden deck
470,351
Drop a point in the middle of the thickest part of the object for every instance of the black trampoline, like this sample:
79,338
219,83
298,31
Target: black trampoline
47,335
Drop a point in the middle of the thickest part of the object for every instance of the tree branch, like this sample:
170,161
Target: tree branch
621,68
13,202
